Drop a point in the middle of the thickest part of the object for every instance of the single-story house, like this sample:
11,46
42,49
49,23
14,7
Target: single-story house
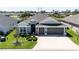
72,20
6,23
41,24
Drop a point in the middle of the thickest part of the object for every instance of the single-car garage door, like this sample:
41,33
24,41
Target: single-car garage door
53,31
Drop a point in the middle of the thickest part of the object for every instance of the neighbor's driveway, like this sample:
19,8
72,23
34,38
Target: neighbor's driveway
55,43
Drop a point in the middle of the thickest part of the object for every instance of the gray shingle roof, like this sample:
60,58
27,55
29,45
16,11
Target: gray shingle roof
6,21
39,25
41,18
73,19
49,20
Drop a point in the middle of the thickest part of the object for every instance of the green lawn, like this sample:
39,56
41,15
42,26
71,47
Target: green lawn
24,43
56,18
73,36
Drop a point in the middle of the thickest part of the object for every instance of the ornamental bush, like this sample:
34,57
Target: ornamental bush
35,38
31,38
1,33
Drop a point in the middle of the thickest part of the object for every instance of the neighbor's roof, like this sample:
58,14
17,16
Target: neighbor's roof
5,20
73,19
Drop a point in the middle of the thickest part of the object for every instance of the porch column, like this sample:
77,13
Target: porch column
64,31
38,30
17,30
26,29
45,31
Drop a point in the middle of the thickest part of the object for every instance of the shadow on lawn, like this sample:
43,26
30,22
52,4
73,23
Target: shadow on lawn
68,35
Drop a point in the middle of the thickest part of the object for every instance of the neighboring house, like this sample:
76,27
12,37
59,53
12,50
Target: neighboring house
6,23
73,20
41,24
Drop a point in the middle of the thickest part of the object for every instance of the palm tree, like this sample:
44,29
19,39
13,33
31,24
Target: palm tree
17,41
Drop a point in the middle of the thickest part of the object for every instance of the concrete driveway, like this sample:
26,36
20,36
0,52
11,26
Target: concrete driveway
55,43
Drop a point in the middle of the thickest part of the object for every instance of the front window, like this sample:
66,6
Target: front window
23,30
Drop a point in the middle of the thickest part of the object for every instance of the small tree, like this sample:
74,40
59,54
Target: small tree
17,41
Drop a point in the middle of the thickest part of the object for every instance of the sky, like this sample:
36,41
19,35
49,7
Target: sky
48,5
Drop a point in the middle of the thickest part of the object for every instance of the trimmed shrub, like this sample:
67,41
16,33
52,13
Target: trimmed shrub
27,37
1,33
23,35
30,39
35,38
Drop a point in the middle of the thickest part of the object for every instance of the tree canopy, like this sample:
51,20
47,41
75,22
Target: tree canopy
26,14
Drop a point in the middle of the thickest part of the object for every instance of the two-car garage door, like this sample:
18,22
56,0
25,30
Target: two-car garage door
55,31
51,31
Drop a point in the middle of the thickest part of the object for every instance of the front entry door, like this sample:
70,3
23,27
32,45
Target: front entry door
32,28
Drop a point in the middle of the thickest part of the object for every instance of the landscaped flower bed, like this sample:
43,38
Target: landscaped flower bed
25,44
73,36
31,38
